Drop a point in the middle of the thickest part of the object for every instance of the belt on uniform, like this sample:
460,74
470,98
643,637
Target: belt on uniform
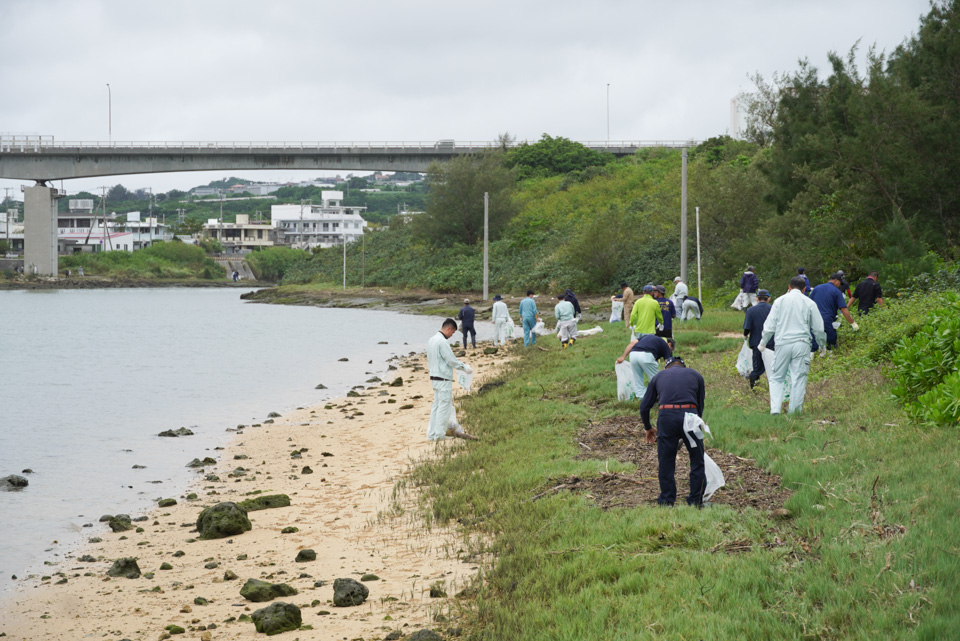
683,406
437,378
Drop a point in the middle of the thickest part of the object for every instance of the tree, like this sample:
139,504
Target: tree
118,193
454,212
551,157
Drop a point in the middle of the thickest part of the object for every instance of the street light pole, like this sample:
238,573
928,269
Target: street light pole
109,113
608,113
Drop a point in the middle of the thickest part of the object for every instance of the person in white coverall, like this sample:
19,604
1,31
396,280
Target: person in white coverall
792,317
442,362
679,295
501,318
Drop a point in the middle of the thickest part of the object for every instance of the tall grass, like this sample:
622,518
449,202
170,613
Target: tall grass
173,260
870,551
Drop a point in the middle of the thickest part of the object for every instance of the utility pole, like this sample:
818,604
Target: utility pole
698,254
486,245
608,114
109,113
683,218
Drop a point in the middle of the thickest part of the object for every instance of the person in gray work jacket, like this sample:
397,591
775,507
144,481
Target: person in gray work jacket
442,362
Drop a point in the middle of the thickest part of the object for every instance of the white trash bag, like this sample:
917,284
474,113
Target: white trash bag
740,301
511,328
745,360
714,476
590,332
540,329
616,311
464,380
624,382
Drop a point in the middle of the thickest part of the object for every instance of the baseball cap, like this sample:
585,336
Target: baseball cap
837,276
674,359
648,288
660,288
763,292
677,279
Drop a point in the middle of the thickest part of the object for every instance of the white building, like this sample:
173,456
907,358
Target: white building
240,237
325,225
83,230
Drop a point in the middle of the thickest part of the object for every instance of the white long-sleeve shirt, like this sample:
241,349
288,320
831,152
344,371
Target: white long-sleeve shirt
791,319
441,359
500,311
680,290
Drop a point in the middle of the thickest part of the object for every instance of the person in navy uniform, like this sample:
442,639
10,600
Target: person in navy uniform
677,390
752,330
668,309
467,315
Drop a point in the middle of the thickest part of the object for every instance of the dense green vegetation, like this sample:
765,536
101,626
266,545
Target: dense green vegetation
173,260
864,553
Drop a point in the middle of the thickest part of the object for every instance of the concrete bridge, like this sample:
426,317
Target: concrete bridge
42,159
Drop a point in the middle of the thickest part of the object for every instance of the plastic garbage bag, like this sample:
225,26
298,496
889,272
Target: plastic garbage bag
714,476
836,324
511,328
590,332
740,301
616,311
745,360
540,329
624,382
464,379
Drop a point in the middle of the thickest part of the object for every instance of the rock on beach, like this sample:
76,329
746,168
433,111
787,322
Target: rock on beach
222,520
276,618
259,591
13,482
348,592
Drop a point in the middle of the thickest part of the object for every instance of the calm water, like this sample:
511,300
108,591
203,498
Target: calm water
89,377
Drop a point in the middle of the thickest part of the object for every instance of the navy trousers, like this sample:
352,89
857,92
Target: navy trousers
758,367
469,329
669,435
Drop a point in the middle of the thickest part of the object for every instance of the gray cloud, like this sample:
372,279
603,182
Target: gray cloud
308,70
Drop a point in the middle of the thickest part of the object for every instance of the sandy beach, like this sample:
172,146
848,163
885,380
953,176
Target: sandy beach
346,510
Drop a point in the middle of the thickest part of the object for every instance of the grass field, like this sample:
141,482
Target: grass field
869,547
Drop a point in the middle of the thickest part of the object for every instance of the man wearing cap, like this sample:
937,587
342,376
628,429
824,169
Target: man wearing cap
679,294
529,317
645,354
501,317
646,314
627,302
467,315
749,284
442,362
752,330
566,321
830,300
677,390
792,318
868,293
667,309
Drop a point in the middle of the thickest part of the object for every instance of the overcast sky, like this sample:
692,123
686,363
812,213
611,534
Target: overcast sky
312,70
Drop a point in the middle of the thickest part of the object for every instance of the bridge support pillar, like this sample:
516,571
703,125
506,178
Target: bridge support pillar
40,230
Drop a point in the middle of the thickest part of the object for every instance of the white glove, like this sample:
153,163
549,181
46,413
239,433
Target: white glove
659,327
761,348
854,326
467,369
823,352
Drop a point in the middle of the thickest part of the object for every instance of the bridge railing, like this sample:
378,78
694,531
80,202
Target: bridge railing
44,145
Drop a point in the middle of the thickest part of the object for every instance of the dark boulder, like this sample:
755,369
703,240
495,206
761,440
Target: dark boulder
198,463
305,555
265,502
276,618
120,523
397,382
126,567
425,635
348,592
166,502
13,482
490,350
222,520
259,591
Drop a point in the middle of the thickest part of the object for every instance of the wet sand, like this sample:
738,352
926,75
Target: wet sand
346,510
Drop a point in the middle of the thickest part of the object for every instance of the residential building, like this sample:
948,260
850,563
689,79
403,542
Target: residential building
242,236
308,225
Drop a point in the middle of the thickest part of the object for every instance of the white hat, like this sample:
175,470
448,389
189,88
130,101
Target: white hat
677,279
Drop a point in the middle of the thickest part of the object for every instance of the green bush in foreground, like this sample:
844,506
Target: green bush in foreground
925,367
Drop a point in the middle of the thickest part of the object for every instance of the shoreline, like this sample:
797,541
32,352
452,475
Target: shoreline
348,510
94,282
